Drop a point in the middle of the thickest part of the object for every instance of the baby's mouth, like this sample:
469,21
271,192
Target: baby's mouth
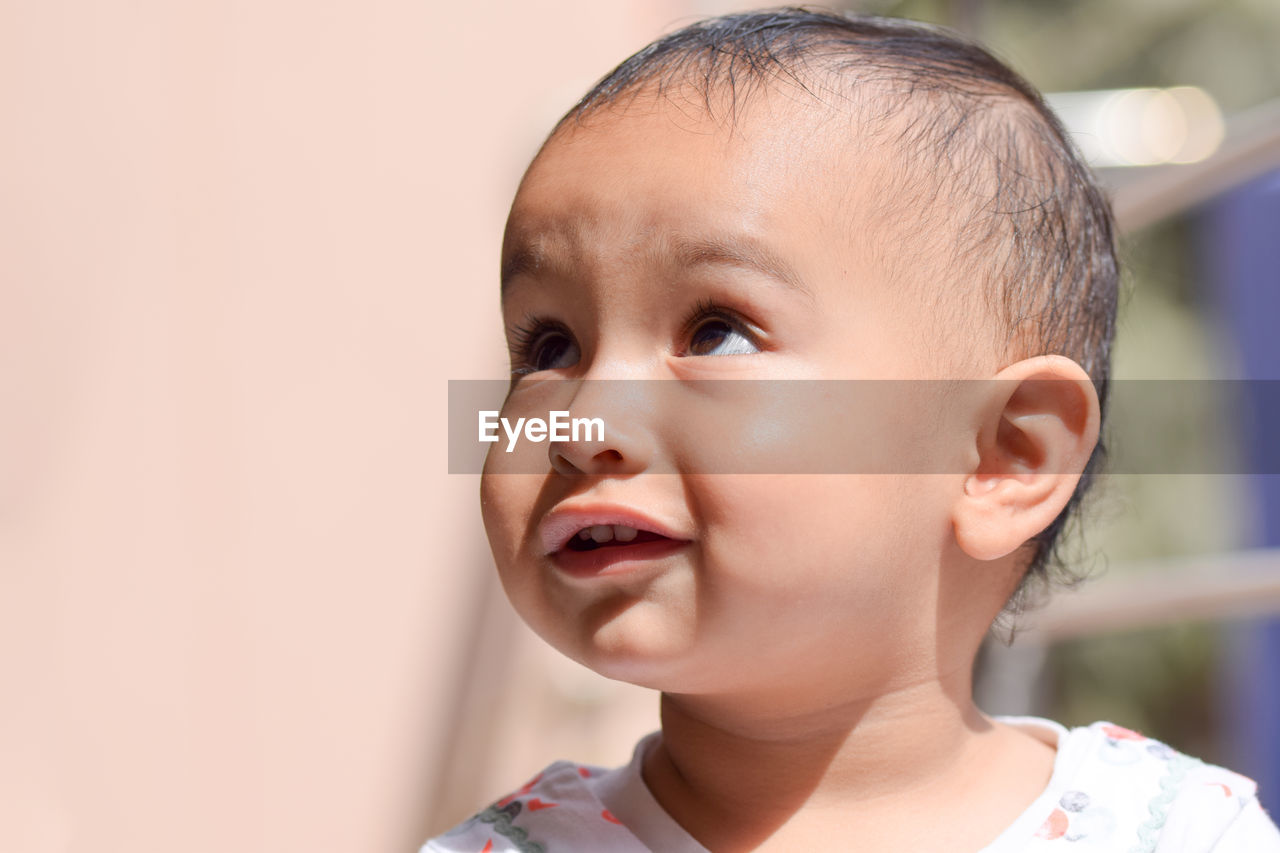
606,541
600,536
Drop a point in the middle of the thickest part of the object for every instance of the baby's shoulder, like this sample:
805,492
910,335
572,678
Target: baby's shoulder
559,809
1116,783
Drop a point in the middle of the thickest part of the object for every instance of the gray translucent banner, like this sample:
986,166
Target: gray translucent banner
852,426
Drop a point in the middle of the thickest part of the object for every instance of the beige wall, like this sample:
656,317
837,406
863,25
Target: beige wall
243,245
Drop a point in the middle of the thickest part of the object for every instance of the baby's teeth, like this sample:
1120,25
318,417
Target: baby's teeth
623,533
602,533
584,534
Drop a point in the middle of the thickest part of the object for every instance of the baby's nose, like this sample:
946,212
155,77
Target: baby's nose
623,445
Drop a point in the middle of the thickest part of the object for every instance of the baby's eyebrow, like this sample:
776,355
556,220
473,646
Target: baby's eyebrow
686,252
737,252
525,259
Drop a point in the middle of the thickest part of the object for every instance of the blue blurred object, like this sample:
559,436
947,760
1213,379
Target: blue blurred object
1240,247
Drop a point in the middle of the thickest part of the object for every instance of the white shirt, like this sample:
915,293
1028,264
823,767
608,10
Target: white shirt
1111,790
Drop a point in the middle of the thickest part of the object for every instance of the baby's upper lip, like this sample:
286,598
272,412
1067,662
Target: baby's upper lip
562,523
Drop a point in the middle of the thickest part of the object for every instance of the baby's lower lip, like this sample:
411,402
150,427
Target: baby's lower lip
614,559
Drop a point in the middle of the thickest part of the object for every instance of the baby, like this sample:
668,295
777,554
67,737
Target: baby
797,195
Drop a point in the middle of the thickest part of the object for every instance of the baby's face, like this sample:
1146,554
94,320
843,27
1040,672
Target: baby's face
660,244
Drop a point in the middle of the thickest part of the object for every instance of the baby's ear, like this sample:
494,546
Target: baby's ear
1035,432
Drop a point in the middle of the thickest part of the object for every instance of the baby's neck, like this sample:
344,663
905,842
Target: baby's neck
739,777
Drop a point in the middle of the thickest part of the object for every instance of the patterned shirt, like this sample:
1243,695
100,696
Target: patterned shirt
1111,790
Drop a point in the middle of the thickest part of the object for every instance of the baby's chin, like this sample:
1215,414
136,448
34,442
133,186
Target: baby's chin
637,640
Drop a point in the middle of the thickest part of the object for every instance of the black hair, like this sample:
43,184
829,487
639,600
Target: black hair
1034,223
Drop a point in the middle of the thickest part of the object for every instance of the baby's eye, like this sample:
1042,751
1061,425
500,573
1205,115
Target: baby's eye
552,350
542,346
717,334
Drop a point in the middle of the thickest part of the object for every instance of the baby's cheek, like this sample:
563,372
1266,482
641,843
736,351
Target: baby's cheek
802,573
847,541
834,517
506,504
500,499
808,427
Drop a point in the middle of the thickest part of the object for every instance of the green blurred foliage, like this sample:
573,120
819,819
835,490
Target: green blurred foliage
1227,47
1159,682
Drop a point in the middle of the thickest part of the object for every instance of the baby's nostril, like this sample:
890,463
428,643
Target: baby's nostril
561,465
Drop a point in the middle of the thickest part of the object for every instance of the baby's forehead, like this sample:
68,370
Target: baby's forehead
660,186
667,172
670,151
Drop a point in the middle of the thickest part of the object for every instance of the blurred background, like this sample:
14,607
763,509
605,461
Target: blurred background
244,245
